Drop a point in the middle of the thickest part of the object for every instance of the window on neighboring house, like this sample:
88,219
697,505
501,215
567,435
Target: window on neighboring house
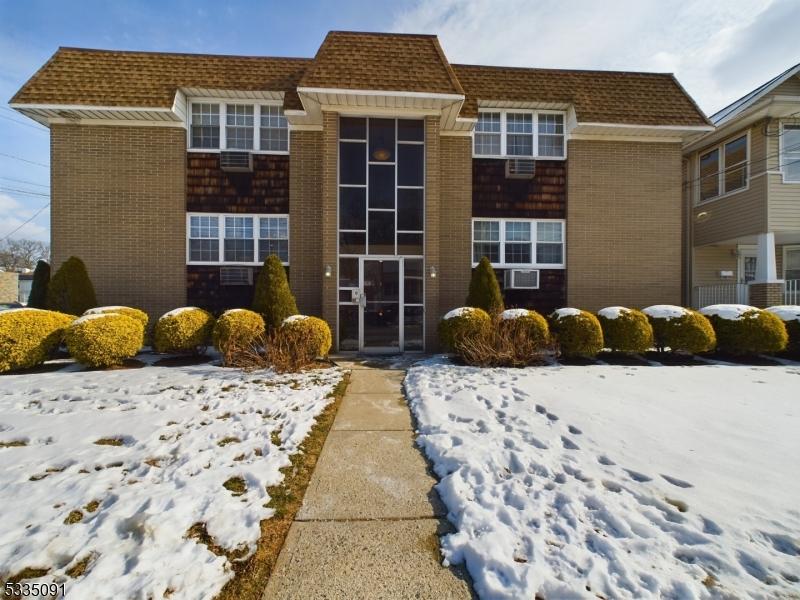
274,129
487,134
709,175
203,239
724,170
790,159
518,242
273,238
239,126
791,263
736,164
518,133
205,125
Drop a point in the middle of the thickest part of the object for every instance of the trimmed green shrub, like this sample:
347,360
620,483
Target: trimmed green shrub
70,290
314,329
104,339
680,329
237,328
29,335
41,280
534,325
577,332
790,315
742,329
133,313
625,329
184,330
272,298
461,323
484,291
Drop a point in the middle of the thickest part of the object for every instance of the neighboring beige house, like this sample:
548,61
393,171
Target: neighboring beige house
377,171
742,184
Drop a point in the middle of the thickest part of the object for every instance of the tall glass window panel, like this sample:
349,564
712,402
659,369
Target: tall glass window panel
273,238
790,159
352,163
487,134
352,128
549,243
239,126
205,125
551,135
518,242
204,239
410,210
352,243
381,232
348,327
410,130
410,244
352,208
348,272
381,186
410,165
709,175
736,164
239,243
519,138
486,241
274,129
381,140
413,281
413,328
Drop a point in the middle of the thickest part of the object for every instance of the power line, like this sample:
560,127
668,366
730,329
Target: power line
24,124
747,163
25,160
36,214
25,182
27,192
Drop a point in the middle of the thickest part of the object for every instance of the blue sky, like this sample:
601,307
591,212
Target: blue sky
719,49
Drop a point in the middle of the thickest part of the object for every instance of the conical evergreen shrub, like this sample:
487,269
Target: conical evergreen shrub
41,280
484,291
70,290
273,299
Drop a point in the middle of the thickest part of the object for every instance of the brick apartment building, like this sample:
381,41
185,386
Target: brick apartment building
379,172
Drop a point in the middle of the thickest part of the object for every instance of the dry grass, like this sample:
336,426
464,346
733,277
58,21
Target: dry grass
284,350
13,444
73,517
110,442
80,567
252,575
501,347
235,485
228,440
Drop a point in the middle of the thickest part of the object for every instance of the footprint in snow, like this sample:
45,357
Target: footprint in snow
710,527
541,409
612,486
574,430
638,477
604,460
677,482
568,443
552,417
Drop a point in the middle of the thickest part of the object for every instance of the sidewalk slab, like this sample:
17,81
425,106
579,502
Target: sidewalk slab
375,382
364,560
373,412
370,475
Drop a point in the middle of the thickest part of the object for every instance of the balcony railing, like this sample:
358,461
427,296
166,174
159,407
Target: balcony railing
723,293
791,291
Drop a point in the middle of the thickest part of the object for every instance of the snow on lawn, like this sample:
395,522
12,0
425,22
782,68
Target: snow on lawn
152,448
626,482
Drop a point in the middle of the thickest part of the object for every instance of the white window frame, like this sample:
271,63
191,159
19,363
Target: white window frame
223,120
534,240
720,148
504,133
782,149
221,229
786,250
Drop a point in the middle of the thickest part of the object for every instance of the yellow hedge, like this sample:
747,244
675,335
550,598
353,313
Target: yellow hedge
625,329
29,335
750,331
460,323
316,329
104,339
681,329
577,332
184,331
237,327
531,322
790,315
133,313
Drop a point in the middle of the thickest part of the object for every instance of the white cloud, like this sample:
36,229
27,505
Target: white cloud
13,214
718,49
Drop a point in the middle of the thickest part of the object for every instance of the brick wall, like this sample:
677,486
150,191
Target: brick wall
118,203
329,211
433,220
623,224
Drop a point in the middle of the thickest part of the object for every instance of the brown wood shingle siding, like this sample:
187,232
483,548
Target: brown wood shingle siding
210,189
495,195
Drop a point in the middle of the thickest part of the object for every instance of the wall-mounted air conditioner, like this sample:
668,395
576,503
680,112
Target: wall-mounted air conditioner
236,161
521,279
520,168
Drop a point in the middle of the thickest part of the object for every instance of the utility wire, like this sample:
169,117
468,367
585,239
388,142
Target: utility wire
36,214
25,182
28,192
24,124
747,163
33,162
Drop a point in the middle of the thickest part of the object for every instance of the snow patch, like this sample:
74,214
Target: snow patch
23,309
566,312
514,313
613,312
729,312
103,309
92,317
665,311
458,312
177,311
294,318
786,312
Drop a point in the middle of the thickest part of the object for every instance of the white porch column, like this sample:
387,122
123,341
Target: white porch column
766,271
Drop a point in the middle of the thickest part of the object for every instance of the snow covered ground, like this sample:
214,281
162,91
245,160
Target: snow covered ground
178,434
622,482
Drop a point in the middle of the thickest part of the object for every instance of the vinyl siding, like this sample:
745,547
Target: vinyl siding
710,260
784,198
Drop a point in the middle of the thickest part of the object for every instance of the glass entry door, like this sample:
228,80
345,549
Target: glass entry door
380,305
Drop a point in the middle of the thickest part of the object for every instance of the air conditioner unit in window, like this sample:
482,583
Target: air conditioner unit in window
235,276
522,168
236,161
521,279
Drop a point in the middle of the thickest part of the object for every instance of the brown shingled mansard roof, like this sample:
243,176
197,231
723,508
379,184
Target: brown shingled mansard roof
361,61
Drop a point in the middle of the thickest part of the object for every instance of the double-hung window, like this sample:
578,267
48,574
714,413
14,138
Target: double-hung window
519,134
724,169
237,126
790,154
236,238
518,242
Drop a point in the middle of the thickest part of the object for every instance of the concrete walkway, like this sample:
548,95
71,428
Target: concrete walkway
370,520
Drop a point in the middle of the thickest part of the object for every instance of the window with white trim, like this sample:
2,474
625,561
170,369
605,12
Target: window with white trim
790,153
238,126
724,168
519,133
518,242
236,238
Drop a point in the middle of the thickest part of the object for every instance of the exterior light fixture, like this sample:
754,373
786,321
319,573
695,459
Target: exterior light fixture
328,270
381,154
432,271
